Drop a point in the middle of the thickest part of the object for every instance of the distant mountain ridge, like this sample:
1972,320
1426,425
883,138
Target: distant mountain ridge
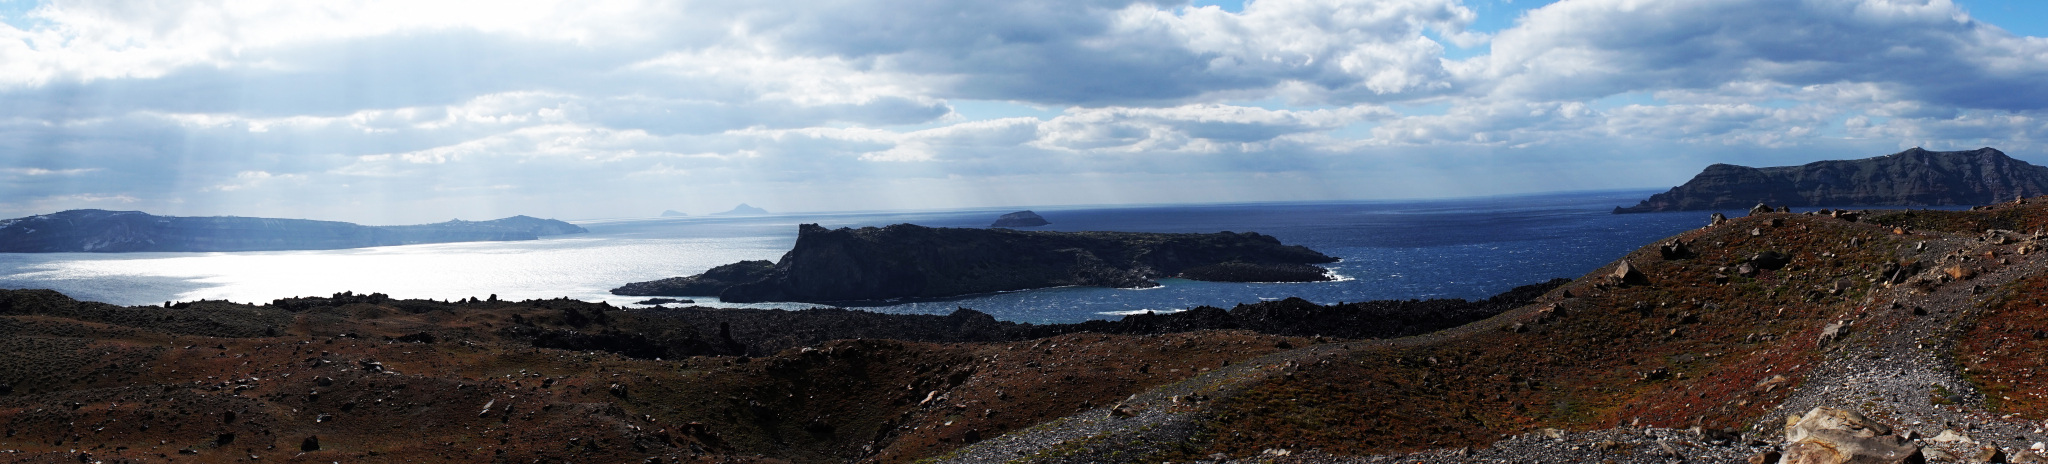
743,210
1915,177
102,231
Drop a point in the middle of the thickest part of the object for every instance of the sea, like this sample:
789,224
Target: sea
1408,249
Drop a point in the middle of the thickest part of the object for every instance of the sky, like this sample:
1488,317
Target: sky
414,111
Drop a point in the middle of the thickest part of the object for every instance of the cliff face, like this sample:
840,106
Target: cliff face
1913,177
906,260
92,230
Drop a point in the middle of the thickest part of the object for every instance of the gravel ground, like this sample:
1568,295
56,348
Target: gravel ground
1889,365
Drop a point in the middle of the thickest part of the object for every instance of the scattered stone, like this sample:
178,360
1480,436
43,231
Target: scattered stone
1770,260
1675,249
1773,383
1767,457
1832,331
1718,219
311,444
1761,208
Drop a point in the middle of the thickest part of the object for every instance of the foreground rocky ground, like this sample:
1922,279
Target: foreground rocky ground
1910,333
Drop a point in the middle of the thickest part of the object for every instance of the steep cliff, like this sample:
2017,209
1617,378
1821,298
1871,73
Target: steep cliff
906,260
92,230
1913,177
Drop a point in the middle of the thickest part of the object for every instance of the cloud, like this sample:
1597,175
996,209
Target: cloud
584,109
1927,51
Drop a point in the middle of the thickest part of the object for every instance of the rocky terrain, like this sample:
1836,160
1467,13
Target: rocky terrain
1816,336
1024,218
910,261
364,377
1914,177
92,230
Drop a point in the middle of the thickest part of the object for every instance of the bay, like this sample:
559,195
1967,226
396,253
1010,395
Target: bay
1416,249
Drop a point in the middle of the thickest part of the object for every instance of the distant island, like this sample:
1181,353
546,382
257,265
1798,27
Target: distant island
673,213
743,210
102,231
1914,177
1024,218
910,261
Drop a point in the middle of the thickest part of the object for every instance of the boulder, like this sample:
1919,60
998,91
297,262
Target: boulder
1626,273
1989,454
1839,436
1761,208
1675,249
1718,220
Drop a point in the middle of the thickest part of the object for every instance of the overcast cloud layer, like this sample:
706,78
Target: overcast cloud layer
419,111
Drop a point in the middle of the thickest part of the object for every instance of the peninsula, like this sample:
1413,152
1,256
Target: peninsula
102,231
910,261
1914,177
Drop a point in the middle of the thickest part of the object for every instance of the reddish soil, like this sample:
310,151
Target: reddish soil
1677,352
186,388
2001,352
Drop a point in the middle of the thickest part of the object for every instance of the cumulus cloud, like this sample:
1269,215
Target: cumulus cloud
594,108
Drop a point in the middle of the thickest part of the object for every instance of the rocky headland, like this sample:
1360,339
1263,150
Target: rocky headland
1914,177
1024,218
910,261
673,213
92,230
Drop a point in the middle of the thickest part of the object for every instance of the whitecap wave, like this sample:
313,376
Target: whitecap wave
1135,312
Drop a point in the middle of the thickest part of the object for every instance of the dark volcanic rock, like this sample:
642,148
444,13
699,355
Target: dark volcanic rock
1024,218
1913,177
711,282
93,230
910,261
767,331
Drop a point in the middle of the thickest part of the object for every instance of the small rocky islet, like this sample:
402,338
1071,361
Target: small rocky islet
911,261
1024,218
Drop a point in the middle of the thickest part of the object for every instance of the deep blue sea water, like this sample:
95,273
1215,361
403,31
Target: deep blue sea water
1457,248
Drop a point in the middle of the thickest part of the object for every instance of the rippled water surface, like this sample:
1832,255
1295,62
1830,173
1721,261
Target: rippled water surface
1465,248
